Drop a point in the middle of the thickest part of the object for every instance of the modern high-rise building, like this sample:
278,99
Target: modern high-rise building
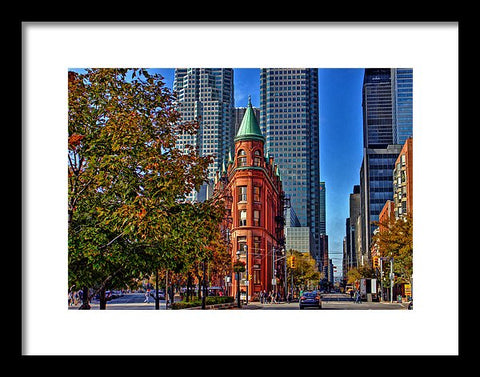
387,100
289,120
206,95
387,120
323,213
402,79
351,229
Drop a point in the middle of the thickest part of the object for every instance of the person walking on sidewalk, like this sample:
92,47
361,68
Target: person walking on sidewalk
357,298
274,301
147,296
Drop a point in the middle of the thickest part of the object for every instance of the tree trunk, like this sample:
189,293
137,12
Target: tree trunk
85,305
189,283
103,300
204,287
157,299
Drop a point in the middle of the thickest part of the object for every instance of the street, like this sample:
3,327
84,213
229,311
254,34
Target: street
129,301
330,301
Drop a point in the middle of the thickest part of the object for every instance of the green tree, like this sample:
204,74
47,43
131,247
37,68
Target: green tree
124,174
395,240
305,274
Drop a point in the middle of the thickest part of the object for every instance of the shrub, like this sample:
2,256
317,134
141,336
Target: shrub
211,300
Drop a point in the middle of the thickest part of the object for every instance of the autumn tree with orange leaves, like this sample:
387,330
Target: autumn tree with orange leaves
395,240
126,178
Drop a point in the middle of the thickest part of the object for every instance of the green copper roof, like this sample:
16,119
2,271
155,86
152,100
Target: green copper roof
249,128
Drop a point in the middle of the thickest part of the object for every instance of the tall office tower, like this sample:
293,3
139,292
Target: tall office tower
206,95
402,79
350,225
387,109
289,120
377,108
323,214
387,106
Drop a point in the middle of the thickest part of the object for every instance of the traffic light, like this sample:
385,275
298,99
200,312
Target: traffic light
376,262
292,262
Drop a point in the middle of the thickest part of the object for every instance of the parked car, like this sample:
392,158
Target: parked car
310,299
161,294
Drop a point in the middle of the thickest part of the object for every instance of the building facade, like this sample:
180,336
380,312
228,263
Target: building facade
351,228
257,230
403,110
376,188
289,120
403,181
323,205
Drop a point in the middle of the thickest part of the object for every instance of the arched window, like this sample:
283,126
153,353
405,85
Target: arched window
242,158
257,159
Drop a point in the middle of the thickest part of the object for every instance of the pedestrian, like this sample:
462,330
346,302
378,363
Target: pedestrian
261,297
147,296
357,298
272,295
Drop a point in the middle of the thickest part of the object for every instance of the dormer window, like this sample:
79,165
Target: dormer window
242,158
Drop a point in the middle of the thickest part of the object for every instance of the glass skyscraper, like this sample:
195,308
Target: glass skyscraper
206,95
403,91
289,120
323,213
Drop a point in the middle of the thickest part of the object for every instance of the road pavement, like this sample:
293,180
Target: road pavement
129,301
332,301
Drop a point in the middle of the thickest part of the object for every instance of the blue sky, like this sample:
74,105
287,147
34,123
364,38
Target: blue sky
340,110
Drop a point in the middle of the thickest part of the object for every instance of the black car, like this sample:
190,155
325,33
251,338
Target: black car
310,299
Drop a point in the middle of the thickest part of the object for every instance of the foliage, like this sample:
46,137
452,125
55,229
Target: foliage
239,266
395,240
305,273
353,275
210,300
357,273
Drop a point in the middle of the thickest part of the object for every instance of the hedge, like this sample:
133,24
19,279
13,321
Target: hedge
210,300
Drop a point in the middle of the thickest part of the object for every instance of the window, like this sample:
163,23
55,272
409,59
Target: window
242,193
242,158
242,245
257,277
242,217
256,245
256,218
257,158
256,193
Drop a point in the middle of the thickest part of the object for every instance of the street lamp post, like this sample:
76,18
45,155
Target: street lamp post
391,279
246,275
238,281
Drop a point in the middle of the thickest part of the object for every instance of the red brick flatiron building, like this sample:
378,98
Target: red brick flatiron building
252,183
